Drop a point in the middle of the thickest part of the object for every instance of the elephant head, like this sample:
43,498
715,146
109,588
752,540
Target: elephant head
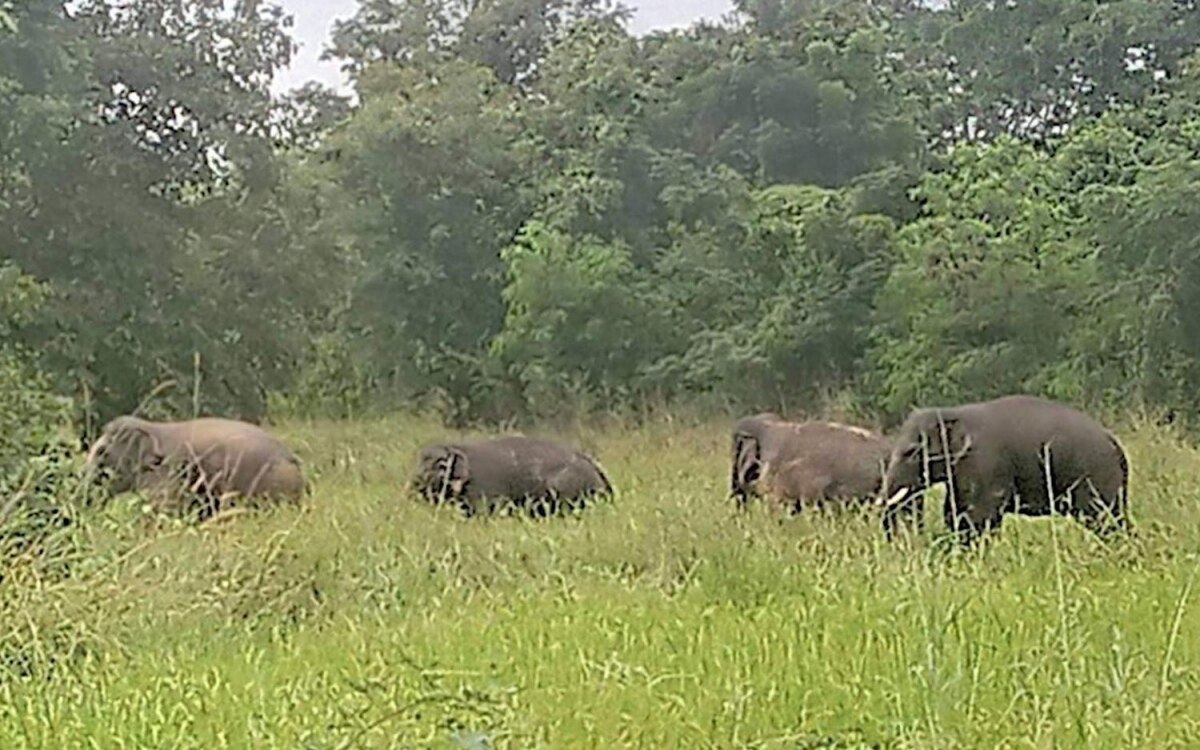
127,449
442,473
747,456
929,444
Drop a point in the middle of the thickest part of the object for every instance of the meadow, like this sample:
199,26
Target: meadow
662,620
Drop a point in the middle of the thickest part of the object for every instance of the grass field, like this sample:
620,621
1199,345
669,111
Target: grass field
663,620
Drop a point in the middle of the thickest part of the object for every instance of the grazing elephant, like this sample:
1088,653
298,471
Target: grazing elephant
799,463
480,476
199,463
1000,456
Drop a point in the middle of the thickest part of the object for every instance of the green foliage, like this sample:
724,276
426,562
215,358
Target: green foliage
1033,68
812,100
988,287
1069,272
509,37
579,315
525,209
32,417
138,179
329,382
781,305
1144,225
38,471
429,202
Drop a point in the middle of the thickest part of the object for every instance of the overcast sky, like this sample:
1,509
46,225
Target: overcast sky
314,19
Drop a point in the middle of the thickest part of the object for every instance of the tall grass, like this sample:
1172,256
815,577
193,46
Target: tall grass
662,620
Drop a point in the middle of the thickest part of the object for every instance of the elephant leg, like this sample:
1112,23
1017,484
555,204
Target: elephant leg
164,488
466,506
543,506
798,490
786,506
908,514
1103,516
971,514
200,490
743,483
580,501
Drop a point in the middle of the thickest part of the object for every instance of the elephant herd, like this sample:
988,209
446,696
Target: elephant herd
1015,454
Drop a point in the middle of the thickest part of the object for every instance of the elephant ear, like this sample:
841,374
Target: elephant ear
746,462
143,446
951,433
453,471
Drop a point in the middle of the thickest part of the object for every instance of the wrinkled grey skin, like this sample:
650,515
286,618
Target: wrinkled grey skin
805,463
992,458
194,464
482,476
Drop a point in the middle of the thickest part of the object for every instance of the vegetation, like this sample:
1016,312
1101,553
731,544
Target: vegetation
370,620
525,210
524,213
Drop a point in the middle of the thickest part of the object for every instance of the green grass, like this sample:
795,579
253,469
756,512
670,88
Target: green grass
663,620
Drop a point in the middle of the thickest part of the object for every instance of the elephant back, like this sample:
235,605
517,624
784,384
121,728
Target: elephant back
516,466
821,460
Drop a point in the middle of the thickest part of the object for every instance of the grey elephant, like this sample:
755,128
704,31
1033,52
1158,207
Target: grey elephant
483,476
1001,456
199,464
805,463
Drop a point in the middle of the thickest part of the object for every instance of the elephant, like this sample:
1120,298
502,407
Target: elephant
805,463
483,476
195,464
1000,456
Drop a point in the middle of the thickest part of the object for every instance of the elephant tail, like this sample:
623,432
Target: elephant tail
1124,462
1121,507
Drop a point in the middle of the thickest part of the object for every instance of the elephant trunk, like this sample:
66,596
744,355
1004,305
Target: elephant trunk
745,470
93,455
902,497
901,479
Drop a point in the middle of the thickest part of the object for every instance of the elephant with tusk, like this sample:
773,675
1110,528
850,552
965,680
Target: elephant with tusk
805,463
1016,454
482,476
199,464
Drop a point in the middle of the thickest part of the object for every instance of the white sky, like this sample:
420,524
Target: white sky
314,20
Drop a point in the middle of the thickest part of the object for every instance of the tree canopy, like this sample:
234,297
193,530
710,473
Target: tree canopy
525,208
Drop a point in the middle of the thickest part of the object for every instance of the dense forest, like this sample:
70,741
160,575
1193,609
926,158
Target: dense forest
526,210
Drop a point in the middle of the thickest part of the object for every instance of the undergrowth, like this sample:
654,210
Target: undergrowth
370,620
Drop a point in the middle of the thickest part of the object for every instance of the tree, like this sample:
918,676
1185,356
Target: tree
780,307
988,286
1141,219
141,171
806,100
579,319
510,37
1031,68
430,199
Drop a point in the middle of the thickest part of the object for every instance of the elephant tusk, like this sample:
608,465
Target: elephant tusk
898,497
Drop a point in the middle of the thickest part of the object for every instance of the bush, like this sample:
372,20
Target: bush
39,481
